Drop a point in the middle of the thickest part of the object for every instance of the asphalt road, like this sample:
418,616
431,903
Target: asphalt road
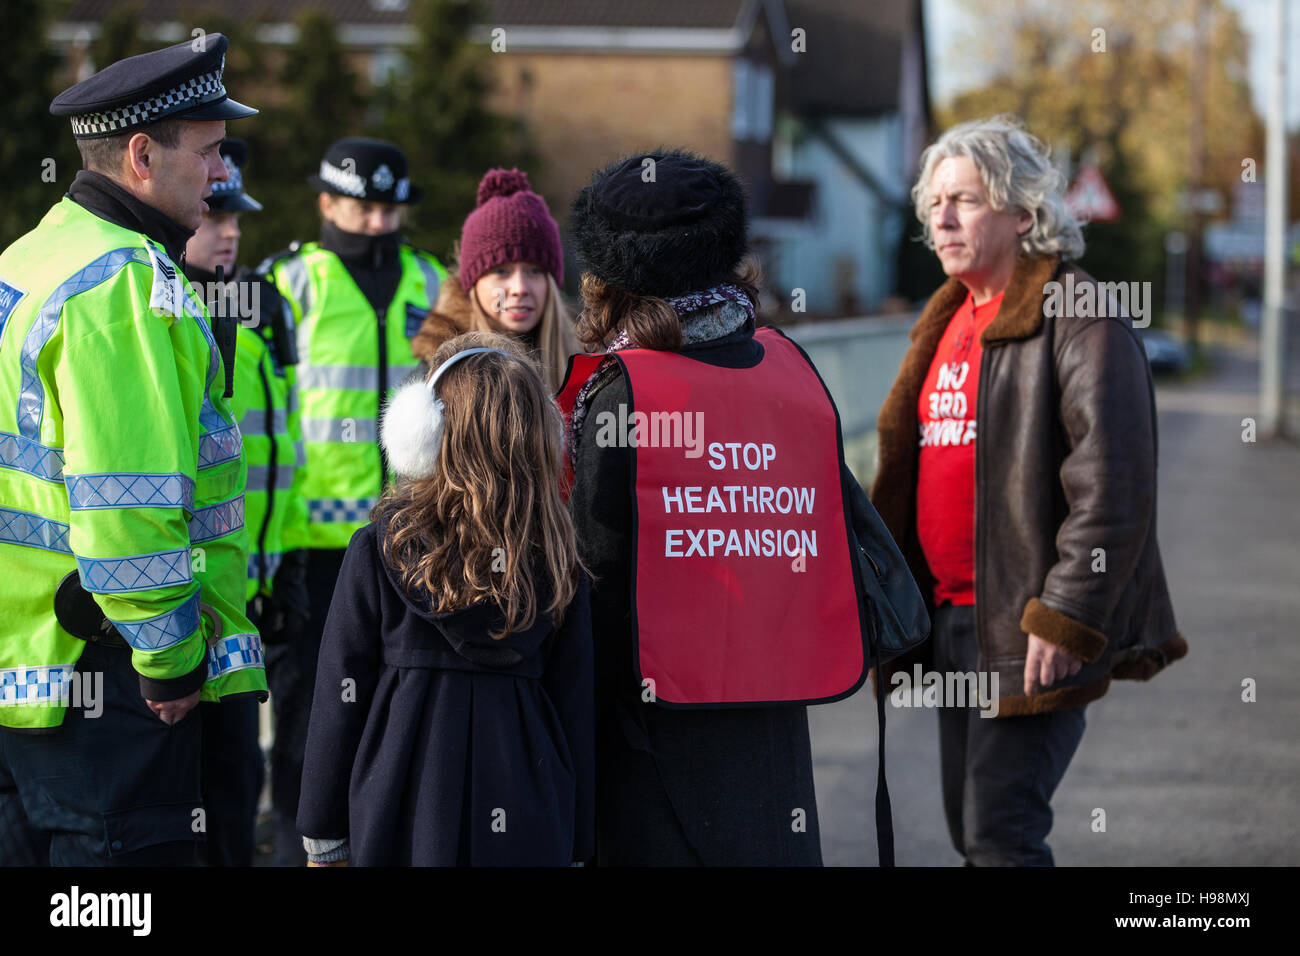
1187,772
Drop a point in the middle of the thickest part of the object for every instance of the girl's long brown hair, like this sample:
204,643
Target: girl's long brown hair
490,519
650,321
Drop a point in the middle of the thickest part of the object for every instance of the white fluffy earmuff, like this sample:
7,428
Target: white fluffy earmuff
411,430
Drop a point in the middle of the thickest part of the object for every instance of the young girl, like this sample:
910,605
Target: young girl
507,278
452,722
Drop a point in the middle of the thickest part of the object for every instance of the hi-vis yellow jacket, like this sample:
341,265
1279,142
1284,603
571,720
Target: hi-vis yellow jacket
342,375
119,458
263,400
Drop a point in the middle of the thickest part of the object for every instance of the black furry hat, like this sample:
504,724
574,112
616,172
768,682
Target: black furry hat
665,229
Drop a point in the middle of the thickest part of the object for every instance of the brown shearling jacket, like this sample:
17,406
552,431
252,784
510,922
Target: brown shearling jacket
449,317
1065,463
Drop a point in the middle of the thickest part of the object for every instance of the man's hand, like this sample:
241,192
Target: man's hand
1046,663
173,711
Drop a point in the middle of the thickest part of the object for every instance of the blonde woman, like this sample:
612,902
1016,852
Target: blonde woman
510,266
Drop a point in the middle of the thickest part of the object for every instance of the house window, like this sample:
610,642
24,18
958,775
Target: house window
751,107
741,92
385,64
761,103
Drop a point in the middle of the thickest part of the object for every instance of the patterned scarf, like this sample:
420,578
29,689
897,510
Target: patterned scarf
697,328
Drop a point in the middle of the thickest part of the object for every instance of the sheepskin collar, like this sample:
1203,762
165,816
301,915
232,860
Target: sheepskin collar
1019,317
449,317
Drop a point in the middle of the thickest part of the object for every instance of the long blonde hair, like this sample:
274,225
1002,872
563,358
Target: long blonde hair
490,518
556,340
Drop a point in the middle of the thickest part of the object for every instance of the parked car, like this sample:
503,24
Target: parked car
1166,353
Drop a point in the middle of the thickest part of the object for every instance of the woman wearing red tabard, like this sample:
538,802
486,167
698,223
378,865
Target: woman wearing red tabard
723,601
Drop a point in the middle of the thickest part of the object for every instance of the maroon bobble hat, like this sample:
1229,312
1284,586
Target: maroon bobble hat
510,224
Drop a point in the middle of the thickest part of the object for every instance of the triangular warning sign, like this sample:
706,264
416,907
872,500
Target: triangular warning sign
1090,198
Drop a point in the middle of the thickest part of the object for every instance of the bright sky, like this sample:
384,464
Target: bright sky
945,22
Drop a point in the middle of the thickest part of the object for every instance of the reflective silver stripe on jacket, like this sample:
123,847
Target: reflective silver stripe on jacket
361,378
398,374
130,490
431,281
23,454
271,560
340,429
163,631
254,422
293,271
31,392
217,521
258,476
139,572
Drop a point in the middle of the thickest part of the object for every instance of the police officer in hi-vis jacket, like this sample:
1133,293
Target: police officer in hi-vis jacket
122,541
359,295
261,399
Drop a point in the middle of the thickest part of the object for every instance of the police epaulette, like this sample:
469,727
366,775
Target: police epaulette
428,252
264,267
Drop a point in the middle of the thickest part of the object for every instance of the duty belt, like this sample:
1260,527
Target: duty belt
78,613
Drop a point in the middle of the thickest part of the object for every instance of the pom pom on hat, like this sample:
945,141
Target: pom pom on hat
510,224
502,182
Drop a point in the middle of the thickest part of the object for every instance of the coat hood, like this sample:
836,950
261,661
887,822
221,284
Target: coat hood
468,631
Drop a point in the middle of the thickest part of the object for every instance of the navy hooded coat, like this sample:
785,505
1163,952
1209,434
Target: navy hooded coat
431,744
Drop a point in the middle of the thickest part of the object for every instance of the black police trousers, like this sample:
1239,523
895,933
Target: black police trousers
112,786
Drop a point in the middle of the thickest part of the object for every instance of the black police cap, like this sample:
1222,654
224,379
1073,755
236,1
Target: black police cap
367,169
178,81
229,196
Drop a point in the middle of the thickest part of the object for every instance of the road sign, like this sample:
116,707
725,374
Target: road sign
1090,198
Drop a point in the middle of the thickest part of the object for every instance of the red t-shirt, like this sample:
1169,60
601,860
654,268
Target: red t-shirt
945,486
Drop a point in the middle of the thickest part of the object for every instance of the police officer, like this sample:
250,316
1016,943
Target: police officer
122,547
359,296
252,309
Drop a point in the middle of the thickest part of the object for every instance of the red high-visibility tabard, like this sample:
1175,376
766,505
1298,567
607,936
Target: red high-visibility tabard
744,582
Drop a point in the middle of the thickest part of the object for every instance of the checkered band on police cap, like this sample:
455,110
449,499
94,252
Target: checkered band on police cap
201,89
183,80
234,179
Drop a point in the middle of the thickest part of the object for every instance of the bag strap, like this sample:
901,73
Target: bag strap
884,812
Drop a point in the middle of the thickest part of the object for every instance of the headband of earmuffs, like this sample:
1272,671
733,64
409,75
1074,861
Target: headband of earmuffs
412,425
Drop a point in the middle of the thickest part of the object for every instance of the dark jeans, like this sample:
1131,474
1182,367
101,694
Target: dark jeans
998,773
291,675
117,789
